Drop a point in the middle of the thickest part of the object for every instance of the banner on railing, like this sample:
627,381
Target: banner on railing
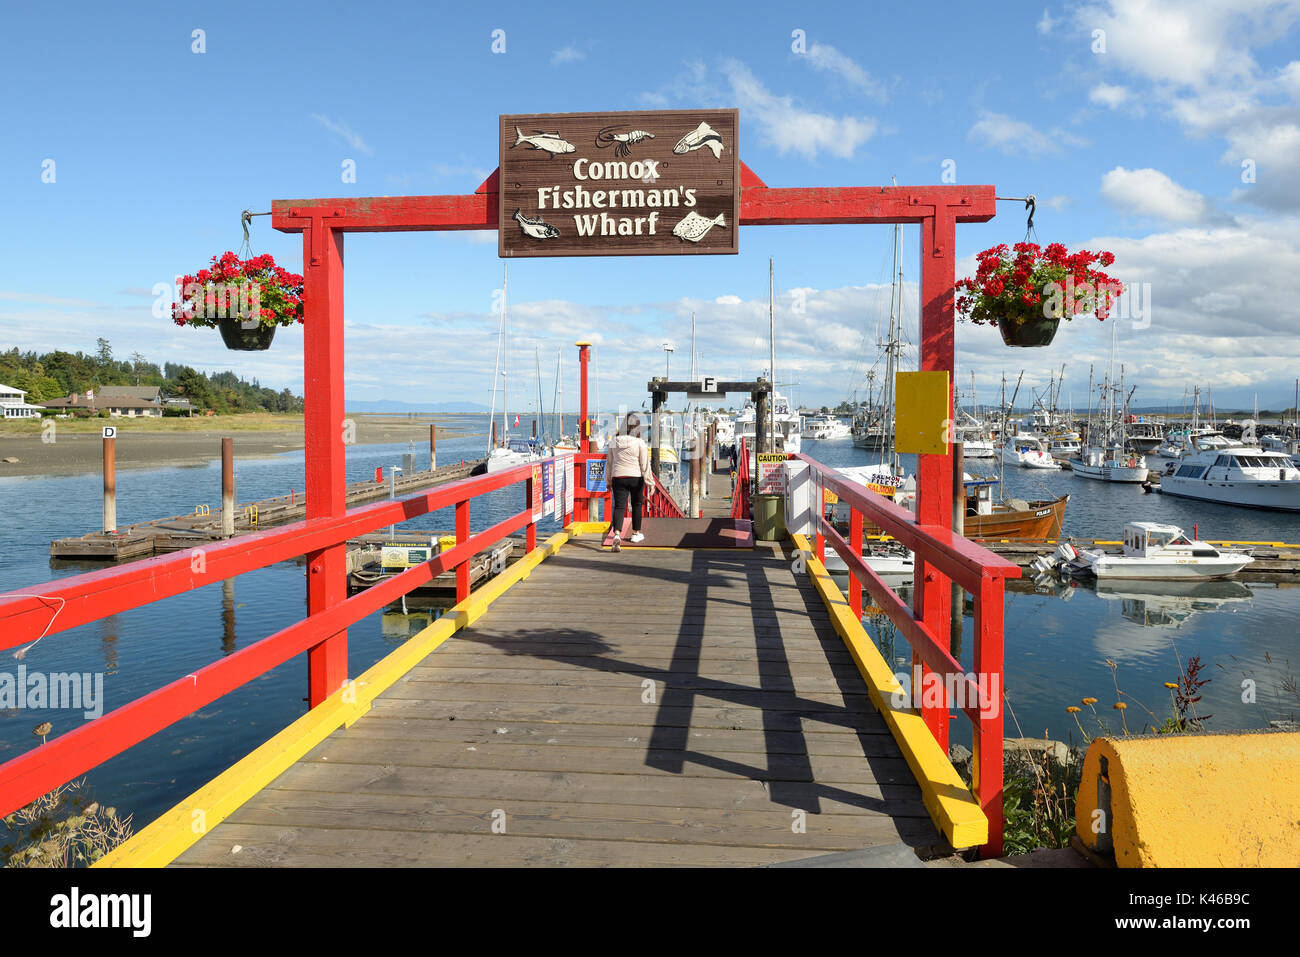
565,496
537,493
548,488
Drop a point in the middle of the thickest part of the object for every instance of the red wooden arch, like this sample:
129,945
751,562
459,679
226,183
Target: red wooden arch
323,223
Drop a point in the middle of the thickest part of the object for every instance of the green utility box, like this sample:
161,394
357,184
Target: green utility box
769,517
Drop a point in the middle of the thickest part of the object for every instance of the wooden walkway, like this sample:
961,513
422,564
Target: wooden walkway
654,707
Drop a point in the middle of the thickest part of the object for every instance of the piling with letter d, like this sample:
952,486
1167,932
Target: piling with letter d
110,481
227,488
433,447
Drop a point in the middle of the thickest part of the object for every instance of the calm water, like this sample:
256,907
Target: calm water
144,649
1056,644
1058,640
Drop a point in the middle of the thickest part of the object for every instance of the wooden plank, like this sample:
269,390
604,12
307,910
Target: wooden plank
275,846
385,725
584,822
668,790
343,748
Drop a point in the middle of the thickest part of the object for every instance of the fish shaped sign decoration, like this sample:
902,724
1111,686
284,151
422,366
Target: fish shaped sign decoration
645,183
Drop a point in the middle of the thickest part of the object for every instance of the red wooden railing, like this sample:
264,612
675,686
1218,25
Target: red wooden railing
69,602
740,495
976,570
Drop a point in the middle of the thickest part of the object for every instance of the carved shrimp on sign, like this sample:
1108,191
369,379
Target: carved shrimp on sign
622,142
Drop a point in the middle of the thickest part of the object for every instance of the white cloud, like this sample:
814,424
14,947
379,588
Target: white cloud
1012,137
822,56
728,300
1046,22
1198,58
789,128
1109,96
569,54
1058,203
352,138
1149,192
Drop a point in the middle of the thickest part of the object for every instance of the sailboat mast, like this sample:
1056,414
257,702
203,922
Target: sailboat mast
496,372
505,353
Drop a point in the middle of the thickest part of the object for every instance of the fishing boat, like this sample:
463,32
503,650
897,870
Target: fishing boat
1112,464
1160,553
1242,475
1012,517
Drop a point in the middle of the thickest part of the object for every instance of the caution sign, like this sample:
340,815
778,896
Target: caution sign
771,473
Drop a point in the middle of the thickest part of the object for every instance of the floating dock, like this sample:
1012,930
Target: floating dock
180,532
1274,561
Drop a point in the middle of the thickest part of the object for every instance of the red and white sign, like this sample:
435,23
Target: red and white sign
771,473
537,493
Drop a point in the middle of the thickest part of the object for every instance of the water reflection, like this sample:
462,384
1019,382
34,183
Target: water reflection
228,643
1169,604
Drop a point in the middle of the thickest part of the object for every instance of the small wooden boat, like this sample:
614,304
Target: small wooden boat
1013,518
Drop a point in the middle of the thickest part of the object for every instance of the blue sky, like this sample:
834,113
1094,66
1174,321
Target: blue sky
1137,148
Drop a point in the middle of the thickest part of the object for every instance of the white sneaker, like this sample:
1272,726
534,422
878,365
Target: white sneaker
617,544
636,537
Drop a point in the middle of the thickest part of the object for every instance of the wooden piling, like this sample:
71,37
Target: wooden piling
110,484
433,447
227,488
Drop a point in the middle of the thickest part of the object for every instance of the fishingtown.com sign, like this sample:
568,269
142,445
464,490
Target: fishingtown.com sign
654,183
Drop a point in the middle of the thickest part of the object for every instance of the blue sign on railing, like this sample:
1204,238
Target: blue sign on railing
596,476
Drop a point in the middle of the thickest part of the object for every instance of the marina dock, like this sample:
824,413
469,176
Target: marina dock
652,707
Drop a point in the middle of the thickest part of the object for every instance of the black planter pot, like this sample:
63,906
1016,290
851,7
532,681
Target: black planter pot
253,339
1029,333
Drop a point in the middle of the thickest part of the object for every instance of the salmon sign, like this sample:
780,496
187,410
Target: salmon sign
651,183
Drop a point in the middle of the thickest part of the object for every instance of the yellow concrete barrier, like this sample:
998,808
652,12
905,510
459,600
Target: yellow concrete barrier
1193,800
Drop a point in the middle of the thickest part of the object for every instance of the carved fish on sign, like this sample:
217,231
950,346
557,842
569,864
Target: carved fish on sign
541,140
536,228
693,226
702,135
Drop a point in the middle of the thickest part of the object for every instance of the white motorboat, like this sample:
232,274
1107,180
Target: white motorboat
1160,552
1239,475
1026,452
825,428
1111,465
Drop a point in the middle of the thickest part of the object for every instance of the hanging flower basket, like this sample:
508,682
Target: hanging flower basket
246,299
1026,291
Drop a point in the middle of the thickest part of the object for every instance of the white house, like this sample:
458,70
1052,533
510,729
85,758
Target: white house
13,402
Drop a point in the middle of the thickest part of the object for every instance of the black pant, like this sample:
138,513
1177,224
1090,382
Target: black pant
625,487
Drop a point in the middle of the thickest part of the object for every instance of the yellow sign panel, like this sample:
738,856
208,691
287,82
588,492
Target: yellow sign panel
921,413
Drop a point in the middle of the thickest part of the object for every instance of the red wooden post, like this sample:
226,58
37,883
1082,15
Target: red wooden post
855,540
582,506
584,427
327,575
462,535
932,601
986,759
530,534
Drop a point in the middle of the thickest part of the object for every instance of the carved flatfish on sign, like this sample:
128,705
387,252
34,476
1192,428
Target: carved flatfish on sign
618,184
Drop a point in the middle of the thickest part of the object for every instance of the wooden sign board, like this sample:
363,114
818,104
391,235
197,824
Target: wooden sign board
647,183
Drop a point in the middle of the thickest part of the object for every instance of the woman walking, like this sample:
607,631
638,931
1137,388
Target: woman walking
629,474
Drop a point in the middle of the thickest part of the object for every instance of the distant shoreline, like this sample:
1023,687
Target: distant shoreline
145,445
